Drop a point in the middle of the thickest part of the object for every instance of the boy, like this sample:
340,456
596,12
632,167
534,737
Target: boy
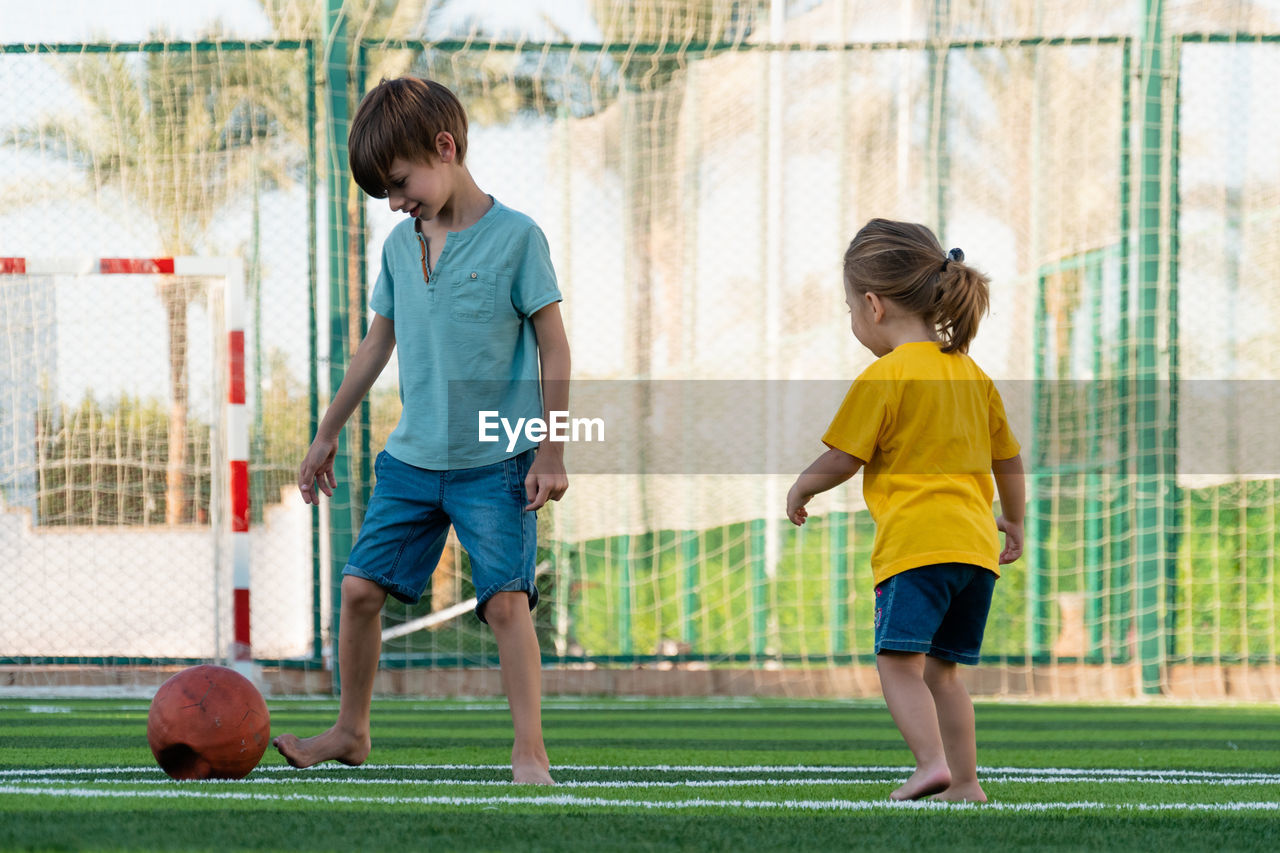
468,294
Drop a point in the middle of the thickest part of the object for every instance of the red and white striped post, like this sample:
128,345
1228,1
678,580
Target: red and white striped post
237,434
238,461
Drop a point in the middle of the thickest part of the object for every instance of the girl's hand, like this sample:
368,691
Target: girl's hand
826,472
1012,539
795,505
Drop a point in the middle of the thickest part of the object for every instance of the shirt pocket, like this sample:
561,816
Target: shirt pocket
472,296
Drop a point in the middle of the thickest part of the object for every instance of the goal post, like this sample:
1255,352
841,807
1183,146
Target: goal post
228,448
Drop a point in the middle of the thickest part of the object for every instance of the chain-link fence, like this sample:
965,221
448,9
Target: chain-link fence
698,178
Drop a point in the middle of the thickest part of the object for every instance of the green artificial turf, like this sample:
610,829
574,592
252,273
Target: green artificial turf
682,774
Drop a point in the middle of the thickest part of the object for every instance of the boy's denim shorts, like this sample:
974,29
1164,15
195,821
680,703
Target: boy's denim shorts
408,520
940,610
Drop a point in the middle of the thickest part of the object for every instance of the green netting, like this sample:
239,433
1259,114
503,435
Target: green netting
698,170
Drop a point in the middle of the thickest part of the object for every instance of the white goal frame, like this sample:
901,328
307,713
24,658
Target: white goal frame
235,440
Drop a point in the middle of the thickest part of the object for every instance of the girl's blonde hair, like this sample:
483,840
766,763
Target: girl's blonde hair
905,263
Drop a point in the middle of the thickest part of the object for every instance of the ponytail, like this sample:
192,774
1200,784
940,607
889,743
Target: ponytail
904,262
961,298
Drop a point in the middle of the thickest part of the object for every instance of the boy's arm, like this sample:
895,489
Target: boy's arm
1011,484
547,479
827,471
371,356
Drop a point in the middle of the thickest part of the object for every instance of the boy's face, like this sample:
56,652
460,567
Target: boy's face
418,189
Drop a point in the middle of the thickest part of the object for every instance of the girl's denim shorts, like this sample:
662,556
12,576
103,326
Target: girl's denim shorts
940,610
408,520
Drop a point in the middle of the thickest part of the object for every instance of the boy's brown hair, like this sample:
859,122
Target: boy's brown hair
401,118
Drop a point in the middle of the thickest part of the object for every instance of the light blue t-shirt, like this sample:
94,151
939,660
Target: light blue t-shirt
464,337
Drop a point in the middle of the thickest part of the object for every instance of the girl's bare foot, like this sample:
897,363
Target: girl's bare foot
970,792
334,745
925,781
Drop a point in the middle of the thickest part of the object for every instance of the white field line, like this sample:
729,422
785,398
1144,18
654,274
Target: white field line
561,800
649,783
501,707
330,773
646,704
300,703
493,783
14,699
1206,775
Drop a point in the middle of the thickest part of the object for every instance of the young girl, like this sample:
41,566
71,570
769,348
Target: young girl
930,428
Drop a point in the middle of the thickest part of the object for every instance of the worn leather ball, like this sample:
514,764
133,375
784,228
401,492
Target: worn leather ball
208,722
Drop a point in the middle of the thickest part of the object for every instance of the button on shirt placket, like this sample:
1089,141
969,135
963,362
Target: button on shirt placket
426,269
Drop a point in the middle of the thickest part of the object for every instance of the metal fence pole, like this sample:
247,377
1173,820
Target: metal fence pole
337,86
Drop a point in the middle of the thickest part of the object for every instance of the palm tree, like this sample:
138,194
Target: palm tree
655,89
168,134
494,93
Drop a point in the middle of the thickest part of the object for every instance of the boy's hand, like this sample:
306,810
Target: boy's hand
545,481
1012,539
317,470
796,500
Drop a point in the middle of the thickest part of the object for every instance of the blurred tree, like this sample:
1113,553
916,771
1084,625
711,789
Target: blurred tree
168,134
103,464
651,80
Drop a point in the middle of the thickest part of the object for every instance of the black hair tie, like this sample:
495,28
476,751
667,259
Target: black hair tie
953,255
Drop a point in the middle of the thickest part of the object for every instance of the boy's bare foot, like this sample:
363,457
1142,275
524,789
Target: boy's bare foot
967,793
531,773
531,768
334,745
922,783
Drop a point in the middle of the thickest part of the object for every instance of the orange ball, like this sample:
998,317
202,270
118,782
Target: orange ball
208,722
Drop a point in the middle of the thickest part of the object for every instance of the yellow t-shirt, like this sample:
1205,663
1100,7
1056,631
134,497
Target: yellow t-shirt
927,425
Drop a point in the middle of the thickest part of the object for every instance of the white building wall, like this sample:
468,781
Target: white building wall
136,593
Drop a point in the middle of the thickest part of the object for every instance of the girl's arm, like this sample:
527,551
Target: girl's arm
1011,484
827,471
371,356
